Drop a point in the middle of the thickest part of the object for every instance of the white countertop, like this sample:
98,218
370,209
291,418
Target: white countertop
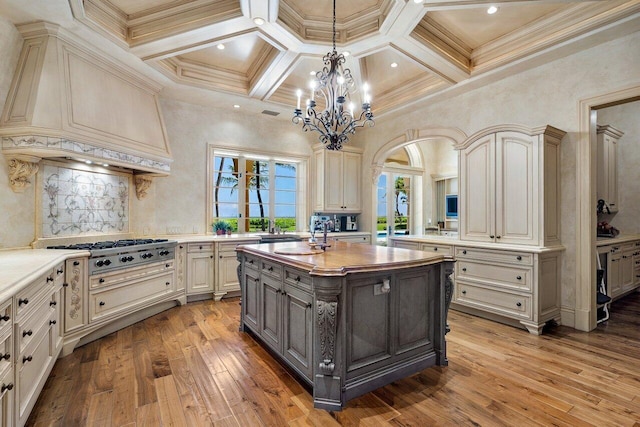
454,240
20,267
605,241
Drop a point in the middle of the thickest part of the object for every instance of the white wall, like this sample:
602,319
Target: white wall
626,117
548,94
17,210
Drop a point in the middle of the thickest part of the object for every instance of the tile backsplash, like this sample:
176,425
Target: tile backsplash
78,202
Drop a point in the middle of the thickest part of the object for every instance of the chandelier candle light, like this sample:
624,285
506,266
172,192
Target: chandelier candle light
335,84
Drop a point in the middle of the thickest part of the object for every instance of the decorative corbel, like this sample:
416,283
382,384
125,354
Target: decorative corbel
21,169
376,170
143,182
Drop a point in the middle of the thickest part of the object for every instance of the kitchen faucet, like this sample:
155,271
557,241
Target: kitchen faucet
325,229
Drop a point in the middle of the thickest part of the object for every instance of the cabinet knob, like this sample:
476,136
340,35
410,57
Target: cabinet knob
497,237
6,387
27,333
464,252
519,258
519,277
518,304
49,279
23,301
26,359
464,292
52,322
5,356
464,268
309,305
220,256
167,265
200,247
297,278
181,247
256,279
101,303
270,268
491,236
278,291
6,318
167,283
53,303
60,271
76,263
101,280
435,249
65,285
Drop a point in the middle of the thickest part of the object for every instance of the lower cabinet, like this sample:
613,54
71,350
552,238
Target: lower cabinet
226,268
622,267
200,268
7,385
277,305
7,398
524,286
350,238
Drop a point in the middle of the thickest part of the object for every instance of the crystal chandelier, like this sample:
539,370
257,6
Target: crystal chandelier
335,84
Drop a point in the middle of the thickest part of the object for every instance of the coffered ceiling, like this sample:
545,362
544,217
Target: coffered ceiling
267,49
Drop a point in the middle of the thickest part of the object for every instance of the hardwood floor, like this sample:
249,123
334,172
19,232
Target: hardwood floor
189,366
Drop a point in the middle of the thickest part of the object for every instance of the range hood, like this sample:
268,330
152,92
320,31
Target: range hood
69,102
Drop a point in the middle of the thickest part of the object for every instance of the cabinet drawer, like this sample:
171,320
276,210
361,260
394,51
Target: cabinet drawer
6,351
30,296
517,278
199,247
271,268
440,249
114,300
110,279
488,255
31,367
297,278
252,263
405,245
5,316
28,328
231,246
499,302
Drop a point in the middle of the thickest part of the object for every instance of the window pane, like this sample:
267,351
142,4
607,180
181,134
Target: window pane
286,169
382,207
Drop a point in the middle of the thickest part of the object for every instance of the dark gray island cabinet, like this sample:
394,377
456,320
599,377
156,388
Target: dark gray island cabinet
350,319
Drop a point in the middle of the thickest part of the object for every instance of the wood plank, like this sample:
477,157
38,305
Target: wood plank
169,402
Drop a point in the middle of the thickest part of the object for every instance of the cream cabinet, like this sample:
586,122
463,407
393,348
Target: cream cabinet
518,285
200,268
622,268
607,168
337,185
76,315
181,267
509,186
352,237
37,338
6,364
226,268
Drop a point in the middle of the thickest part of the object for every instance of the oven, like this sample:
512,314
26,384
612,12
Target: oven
127,274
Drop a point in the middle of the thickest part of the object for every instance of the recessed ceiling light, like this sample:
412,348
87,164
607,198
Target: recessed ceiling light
106,165
312,73
417,1
220,46
346,53
258,21
236,106
394,64
492,10
88,162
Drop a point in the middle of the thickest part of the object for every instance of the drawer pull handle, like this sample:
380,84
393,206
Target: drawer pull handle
65,285
519,304
435,249
492,236
52,322
60,271
284,293
464,252
497,237
297,278
464,292
464,268
167,265
181,247
278,291
519,277
5,356
257,279
23,301
101,280
49,279
270,268
309,305
6,318
167,283
101,303
25,333
6,387
519,258
250,261
26,359
53,303
76,263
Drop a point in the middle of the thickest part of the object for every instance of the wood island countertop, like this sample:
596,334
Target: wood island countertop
342,258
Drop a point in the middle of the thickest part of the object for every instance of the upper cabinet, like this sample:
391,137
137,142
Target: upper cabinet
510,186
607,182
337,180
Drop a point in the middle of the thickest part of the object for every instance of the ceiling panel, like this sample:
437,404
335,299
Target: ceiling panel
131,7
383,78
238,54
323,9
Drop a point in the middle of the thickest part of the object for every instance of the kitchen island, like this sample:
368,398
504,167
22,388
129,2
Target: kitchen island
349,319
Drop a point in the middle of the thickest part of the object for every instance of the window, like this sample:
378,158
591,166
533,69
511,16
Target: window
394,198
253,192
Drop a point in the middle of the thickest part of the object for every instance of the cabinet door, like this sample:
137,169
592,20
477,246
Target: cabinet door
614,282
477,203
227,274
6,399
627,270
271,312
515,178
298,329
607,170
351,176
250,298
333,181
31,366
200,274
